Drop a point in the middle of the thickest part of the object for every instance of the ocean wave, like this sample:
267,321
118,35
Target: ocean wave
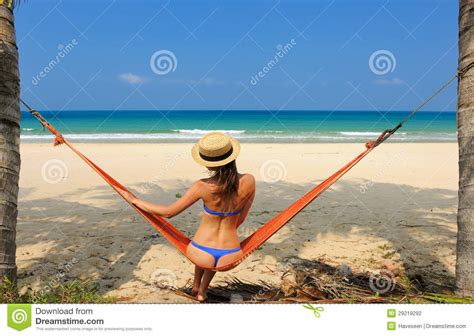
365,134
118,136
245,137
201,132
27,129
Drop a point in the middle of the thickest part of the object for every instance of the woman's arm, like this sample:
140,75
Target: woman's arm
248,203
192,195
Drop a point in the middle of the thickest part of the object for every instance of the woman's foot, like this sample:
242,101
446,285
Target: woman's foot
206,279
201,297
198,273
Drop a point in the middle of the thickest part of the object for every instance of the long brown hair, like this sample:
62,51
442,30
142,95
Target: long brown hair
227,179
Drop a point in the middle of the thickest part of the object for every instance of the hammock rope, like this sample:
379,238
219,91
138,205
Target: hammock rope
262,234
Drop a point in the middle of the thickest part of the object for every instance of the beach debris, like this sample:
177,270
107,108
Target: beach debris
319,281
391,267
236,298
163,279
344,269
288,284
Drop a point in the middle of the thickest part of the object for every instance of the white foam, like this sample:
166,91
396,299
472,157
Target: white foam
249,137
200,132
365,134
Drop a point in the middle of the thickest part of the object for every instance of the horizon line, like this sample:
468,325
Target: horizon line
241,110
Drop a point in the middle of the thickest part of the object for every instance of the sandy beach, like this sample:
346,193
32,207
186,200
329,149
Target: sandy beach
398,205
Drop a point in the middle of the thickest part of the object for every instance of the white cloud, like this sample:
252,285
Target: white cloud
132,78
394,81
208,81
212,81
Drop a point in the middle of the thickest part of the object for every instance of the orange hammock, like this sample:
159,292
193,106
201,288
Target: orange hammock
261,235
251,243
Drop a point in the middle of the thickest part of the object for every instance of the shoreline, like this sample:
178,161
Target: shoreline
50,140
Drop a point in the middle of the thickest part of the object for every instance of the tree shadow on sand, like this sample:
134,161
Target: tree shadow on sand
413,227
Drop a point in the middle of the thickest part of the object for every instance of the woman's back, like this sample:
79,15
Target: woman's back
224,213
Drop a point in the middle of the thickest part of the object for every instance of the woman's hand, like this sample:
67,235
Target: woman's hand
370,144
168,211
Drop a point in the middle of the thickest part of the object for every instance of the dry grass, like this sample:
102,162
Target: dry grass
71,292
317,281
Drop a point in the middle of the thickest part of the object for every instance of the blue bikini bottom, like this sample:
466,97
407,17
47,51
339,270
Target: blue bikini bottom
216,253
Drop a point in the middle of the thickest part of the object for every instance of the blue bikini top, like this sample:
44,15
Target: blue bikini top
221,214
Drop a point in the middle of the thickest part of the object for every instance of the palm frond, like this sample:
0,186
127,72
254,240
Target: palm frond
317,281
11,3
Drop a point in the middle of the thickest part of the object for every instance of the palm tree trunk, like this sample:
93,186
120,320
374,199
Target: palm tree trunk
465,125
9,140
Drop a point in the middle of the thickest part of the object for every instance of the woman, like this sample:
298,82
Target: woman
227,197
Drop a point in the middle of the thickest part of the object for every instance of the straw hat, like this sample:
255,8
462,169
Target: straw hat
215,149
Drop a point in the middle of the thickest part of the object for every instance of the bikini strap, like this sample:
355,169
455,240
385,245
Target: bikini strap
221,214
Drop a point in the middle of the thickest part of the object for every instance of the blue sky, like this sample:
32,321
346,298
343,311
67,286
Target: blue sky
313,55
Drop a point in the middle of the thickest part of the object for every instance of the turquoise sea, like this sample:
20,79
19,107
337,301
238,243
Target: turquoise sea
248,126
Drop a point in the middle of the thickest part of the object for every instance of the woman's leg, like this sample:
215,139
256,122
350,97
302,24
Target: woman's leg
198,272
206,280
